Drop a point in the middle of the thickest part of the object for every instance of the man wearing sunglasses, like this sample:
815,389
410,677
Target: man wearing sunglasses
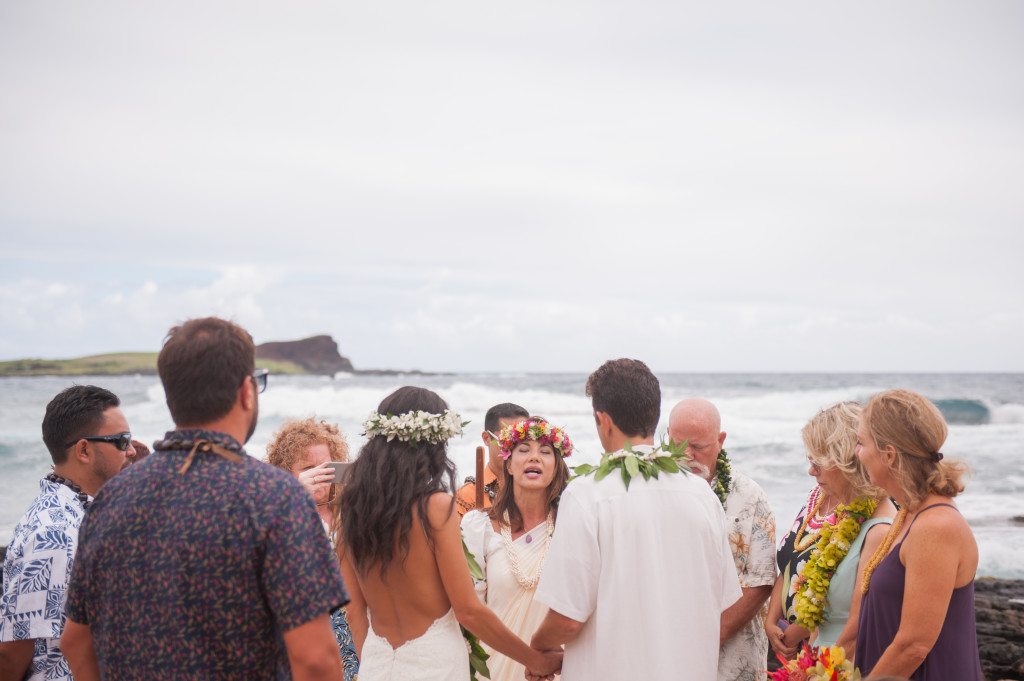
89,442
201,561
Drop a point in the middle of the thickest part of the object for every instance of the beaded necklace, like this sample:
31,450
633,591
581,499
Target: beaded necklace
82,496
527,582
882,550
811,521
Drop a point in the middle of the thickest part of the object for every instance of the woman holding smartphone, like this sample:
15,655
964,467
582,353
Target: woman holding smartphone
305,449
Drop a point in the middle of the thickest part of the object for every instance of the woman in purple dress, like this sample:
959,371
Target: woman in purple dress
917,611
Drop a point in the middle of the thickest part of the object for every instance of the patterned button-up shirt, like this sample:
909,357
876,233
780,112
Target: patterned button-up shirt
199,575
751,525
36,573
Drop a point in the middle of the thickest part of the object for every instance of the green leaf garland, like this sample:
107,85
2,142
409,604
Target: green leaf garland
723,477
667,457
477,655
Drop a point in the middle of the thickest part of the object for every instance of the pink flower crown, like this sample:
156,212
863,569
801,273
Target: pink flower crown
541,431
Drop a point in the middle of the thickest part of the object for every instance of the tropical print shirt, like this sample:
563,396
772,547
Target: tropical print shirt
751,526
36,573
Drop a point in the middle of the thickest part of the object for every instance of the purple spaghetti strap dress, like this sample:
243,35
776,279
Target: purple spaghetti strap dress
954,657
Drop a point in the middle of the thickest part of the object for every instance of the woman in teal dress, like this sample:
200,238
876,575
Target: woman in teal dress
844,504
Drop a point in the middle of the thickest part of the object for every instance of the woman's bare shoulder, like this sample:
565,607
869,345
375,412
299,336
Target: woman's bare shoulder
440,509
885,509
940,529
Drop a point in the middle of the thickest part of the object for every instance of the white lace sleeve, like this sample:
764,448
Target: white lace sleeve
476,526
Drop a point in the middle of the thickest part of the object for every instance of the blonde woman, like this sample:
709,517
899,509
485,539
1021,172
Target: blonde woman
917,615
510,540
844,521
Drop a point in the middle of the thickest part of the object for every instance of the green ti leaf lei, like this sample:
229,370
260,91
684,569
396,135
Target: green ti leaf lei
477,655
668,457
723,477
832,546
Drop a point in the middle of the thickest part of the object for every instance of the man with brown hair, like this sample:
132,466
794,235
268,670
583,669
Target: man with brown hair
203,562
642,567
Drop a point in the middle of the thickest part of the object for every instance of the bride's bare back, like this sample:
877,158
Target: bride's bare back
406,600
421,586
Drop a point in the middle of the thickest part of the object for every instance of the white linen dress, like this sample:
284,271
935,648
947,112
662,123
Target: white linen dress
500,590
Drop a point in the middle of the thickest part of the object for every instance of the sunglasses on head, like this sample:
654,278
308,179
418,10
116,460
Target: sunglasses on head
122,440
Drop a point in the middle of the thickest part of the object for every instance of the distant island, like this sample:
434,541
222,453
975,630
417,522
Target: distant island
317,355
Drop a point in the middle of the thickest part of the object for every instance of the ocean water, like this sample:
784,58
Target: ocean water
762,414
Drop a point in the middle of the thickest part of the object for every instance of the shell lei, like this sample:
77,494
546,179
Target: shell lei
526,581
833,544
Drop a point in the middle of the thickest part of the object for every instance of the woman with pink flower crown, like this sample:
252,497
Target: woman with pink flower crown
510,540
402,554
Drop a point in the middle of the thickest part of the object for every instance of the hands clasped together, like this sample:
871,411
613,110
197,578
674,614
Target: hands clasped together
551,665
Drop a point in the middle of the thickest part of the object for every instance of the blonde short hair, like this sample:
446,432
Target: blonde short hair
914,427
831,439
293,438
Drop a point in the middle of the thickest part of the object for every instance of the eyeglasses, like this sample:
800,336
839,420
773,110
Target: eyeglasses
260,376
122,440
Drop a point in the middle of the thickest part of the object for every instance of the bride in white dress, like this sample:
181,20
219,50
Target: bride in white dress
510,540
401,552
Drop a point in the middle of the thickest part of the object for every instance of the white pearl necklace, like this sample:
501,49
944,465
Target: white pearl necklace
513,557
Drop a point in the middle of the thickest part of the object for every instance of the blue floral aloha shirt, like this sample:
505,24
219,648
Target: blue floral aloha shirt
199,575
36,572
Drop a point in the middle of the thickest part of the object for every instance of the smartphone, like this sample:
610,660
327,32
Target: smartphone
341,470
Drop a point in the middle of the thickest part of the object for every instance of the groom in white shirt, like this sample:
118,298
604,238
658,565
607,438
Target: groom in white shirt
636,579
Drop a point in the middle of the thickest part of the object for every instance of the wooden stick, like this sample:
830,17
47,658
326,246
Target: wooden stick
479,477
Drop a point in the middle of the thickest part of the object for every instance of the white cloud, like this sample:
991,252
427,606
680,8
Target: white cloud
530,186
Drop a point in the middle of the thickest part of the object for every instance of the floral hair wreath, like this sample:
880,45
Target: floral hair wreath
541,431
415,426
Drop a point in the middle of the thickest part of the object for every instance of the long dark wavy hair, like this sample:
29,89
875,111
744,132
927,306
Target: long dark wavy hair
505,500
386,481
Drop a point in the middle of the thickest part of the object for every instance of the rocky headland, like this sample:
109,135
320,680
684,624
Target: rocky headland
317,355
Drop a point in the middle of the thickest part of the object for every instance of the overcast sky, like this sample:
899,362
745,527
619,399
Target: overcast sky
734,186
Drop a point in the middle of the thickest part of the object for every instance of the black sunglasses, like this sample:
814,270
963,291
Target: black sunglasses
122,440
260,376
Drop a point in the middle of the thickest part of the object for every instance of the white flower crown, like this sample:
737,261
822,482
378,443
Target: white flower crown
415,426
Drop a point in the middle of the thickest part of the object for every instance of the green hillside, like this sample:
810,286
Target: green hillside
115,364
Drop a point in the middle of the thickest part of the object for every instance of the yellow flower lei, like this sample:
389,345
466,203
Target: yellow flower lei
833,544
